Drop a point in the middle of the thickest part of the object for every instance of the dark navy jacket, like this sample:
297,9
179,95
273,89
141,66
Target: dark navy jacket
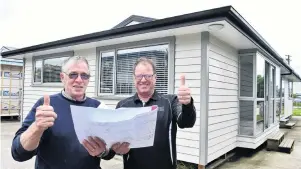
59,147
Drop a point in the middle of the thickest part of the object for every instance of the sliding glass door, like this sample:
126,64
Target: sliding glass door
258,98
269,94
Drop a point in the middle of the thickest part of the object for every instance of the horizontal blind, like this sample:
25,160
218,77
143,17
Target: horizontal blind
106,72
125,62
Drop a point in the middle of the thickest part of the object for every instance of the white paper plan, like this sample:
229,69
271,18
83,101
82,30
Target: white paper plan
133,125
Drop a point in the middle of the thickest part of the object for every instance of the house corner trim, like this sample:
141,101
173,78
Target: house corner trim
203,143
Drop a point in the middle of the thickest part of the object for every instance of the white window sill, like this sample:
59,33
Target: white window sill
52,85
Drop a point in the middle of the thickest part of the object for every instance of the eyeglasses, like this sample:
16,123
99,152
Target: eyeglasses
147,77
74,75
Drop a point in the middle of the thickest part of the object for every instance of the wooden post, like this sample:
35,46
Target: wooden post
201,166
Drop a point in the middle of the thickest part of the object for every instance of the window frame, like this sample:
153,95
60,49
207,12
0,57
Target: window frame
170,41
43,58
254,54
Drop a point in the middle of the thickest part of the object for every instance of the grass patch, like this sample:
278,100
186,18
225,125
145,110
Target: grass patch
297,112
297,104
259,118
185,165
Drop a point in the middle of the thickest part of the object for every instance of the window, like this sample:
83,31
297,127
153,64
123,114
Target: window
259,93
262,92
246,76
283,90
38,71
46,69
116,68
277,83
260,73
246,125
106,72
246,100
290,89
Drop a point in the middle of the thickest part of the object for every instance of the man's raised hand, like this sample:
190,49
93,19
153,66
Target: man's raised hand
184,96
45,115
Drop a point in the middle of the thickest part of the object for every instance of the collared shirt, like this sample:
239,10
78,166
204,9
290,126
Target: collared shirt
70,98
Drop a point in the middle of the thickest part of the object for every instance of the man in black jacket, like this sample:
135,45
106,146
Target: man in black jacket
173,110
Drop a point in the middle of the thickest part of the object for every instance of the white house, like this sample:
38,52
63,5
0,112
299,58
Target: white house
233,73
288,84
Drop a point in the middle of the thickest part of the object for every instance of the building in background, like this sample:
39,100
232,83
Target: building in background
11,85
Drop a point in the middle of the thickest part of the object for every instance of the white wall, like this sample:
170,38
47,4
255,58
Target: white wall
223,98
297,87
188,61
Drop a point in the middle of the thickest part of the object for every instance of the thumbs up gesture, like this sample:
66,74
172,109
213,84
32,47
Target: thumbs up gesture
45,115
183,92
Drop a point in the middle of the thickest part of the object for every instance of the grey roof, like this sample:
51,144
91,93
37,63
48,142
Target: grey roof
137,18
6,48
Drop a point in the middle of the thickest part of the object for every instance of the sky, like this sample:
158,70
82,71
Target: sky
31,22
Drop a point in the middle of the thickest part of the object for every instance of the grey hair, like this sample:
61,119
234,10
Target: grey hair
145,60
73,59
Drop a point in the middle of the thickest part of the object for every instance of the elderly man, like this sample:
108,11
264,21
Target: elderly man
48,131
173,110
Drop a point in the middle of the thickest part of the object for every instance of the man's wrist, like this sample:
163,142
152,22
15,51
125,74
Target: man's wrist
36,129
104,153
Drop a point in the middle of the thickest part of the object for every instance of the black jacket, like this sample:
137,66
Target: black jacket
163,155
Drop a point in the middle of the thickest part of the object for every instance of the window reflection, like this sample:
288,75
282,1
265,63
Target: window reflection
106,72
38,71
290,89
277,83
246,117
277,104
282,88
246,76
259,116
52,68
260,65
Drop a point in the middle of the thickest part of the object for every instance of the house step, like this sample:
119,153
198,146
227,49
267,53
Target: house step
287,145
274,141
283,121
290,125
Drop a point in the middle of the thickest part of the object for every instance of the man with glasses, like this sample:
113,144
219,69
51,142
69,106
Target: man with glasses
173,110
48,130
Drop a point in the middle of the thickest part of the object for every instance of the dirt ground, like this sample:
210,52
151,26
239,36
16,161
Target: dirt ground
8,129
261,160
264,159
